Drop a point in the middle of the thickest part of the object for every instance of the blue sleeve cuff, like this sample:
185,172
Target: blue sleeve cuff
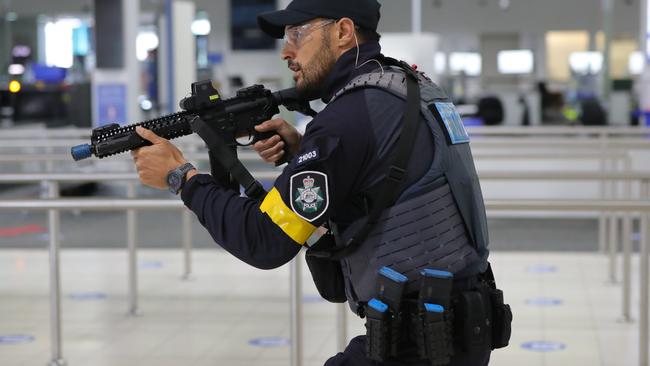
187,194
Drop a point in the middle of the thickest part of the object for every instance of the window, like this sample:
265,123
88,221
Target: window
515,61
245,35
559,47
467,62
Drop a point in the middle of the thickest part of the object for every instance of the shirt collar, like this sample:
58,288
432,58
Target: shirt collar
344,70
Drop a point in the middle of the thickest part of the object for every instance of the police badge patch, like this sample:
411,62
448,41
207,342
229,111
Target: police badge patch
309,194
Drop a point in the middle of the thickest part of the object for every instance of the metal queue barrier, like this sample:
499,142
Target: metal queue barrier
247,155
606,224
52,181
605,153
55,205
596,132
554,142
53,218
611,160
610,178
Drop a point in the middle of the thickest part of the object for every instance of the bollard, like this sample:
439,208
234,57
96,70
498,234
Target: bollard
55,279
295,282
627,247
131,234
342,324
644,273
187,243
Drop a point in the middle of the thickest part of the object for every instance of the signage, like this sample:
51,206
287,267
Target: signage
111,104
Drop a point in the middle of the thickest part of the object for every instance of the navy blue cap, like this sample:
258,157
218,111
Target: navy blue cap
364,13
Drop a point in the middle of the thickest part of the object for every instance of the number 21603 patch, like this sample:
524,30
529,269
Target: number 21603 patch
307,156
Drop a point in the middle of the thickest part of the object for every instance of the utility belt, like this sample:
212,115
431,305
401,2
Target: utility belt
446,317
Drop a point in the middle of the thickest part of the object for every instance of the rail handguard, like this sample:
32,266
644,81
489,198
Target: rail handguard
227,117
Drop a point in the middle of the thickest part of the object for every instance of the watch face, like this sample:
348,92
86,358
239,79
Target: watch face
174,181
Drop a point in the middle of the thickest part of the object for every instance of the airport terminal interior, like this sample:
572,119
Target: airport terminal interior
98,269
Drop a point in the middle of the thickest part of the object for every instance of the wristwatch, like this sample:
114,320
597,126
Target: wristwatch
176,177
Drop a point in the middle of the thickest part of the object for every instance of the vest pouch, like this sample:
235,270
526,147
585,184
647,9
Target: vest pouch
326,273
501,320
472,321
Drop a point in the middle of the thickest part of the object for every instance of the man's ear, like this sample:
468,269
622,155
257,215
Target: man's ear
346,33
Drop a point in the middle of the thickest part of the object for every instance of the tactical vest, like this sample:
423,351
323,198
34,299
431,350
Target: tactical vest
439,222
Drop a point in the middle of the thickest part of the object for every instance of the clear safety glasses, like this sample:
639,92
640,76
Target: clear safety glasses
296,36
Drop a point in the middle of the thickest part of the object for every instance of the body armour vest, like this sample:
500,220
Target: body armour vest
439,222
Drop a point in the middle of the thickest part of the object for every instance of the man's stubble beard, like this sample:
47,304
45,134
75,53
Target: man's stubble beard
315,73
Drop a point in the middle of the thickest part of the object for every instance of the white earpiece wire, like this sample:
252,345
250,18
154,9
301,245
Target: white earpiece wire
356,61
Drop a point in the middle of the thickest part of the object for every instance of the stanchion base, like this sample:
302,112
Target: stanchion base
187,277
59,362
625,320
134,313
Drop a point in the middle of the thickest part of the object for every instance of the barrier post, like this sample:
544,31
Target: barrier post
295,289
55,279
131,233
643,278
602,191
342,327
627,246
187,243
613,226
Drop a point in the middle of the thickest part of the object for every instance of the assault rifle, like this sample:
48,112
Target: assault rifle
217,121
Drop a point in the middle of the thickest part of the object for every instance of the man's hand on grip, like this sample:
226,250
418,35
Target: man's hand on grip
154,162
273,148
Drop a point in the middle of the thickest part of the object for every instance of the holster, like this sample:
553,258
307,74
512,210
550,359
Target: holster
483,318
501,313
473,327
501,320
327,273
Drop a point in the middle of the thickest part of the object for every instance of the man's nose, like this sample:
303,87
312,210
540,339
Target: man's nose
288,52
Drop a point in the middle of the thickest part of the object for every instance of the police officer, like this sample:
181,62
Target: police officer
336,170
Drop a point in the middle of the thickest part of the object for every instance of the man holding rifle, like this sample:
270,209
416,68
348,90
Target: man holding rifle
428,293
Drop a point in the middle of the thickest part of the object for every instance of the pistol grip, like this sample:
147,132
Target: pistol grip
258,136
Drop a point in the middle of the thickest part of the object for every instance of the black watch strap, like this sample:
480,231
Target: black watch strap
182,172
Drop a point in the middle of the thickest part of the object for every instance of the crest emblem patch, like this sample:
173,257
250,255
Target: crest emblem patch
309,194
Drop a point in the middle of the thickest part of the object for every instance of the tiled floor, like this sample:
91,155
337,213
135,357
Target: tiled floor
211,319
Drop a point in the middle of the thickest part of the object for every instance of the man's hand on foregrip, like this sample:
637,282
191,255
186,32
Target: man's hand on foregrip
154,162
273,149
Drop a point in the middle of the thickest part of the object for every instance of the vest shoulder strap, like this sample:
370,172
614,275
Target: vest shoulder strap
393,79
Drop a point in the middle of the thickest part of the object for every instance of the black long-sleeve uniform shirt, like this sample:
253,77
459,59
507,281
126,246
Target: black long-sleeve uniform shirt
343,155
